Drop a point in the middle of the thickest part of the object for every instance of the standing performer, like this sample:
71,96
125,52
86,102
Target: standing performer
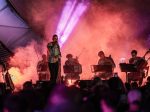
54,56
42,69
106,61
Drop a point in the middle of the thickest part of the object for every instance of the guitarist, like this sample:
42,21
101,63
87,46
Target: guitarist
54,56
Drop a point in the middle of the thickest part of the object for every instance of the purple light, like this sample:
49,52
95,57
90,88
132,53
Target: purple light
67,12
69,18
73,21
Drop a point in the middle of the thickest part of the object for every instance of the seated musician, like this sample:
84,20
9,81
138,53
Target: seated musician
69,62
105,61
42,69
134,57
140,66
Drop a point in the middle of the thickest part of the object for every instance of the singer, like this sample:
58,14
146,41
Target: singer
54,56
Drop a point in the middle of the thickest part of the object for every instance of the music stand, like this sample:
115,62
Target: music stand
127,68
101,68
72,69
68,69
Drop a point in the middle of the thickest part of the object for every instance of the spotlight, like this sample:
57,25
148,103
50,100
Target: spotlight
69,18
67,11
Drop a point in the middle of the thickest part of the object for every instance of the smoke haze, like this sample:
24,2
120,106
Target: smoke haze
115,26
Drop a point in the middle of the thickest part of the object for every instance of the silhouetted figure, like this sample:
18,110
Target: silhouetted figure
141,65
42,69
105,61
72,65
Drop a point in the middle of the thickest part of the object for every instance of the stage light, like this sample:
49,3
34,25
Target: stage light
69,18
70,82
122,60
67,11
73,21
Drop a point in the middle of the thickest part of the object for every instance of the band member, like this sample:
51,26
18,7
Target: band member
140,64
42,69
134,58
2,69
106,61
54,56
76,67
6,76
